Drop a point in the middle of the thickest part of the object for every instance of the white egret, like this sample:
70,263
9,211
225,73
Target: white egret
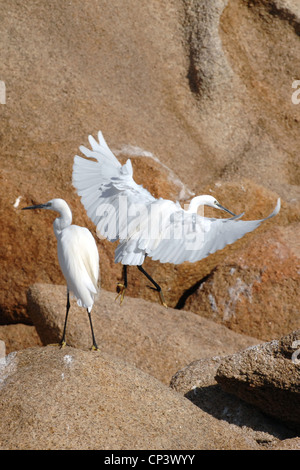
144,225
78,258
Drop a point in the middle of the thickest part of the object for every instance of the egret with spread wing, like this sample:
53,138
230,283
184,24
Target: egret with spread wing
78,258
145,226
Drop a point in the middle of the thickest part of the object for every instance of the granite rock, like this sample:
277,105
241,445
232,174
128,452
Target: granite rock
157,340
267,376
69,399
197,382
255,289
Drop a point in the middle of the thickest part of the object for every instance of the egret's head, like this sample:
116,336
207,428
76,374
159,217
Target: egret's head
54,204
60,206
212,202
207,200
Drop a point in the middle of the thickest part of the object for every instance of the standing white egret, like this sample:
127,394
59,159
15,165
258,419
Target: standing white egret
78,258
144,225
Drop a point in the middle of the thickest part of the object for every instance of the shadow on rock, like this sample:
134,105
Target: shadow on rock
224,406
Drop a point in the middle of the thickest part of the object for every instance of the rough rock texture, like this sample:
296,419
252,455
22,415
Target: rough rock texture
255,290
288,444
197,382
19,336
157,340
243,57
267,376
206,92
205,87
52,398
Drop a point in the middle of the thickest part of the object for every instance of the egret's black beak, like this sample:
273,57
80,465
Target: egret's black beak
226,210
38,206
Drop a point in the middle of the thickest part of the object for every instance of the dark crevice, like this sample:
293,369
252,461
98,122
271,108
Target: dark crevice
191,290
282,13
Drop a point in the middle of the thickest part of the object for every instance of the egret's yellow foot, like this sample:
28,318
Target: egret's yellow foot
62,344
162,299
122,289
95,348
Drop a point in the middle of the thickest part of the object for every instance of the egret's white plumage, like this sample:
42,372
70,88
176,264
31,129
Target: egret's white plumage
77,255
79,261
144,225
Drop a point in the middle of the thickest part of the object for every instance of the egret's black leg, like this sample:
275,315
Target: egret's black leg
125,275
63,340
95,347
122,286
157,286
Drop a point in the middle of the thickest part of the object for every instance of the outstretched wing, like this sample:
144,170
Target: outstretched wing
107,189
125,211
190,237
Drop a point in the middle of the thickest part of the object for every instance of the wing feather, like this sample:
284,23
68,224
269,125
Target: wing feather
125,211
202,236
107,189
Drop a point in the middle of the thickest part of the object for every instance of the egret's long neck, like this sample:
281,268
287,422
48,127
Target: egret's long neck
196,202
63,221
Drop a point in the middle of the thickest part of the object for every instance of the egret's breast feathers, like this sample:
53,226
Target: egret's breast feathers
79,258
